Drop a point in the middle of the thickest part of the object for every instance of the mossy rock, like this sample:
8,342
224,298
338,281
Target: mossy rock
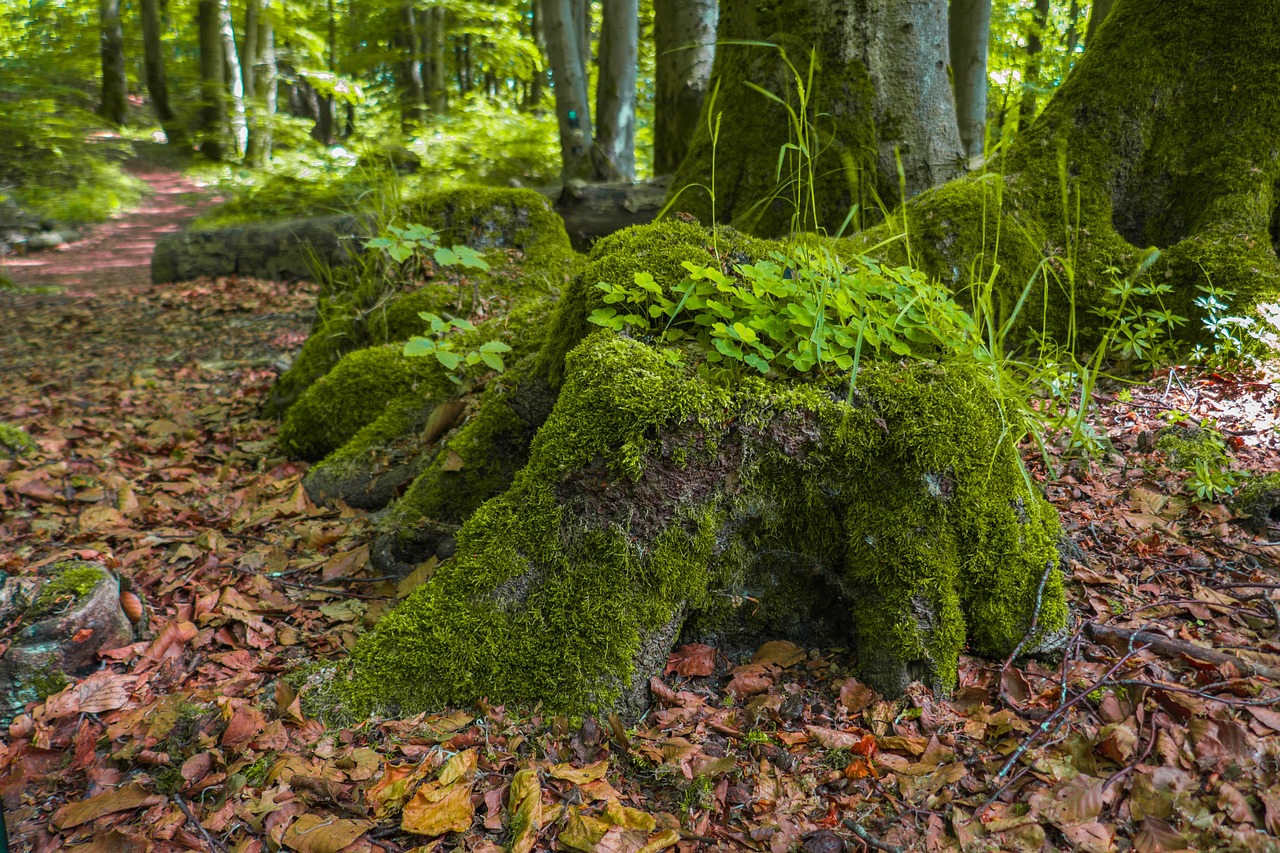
15,441
73,597
649,499
364,306
1257,504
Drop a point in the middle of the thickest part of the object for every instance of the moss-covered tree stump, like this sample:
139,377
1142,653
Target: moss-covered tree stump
604,497
655,502
66,615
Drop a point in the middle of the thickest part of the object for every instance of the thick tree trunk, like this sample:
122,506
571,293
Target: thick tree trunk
213,87
616,90
154,71
115,86
684,33
879,117
970,31
265,87
570,81
1098,14
1031,74
234,78
252,14
1163,135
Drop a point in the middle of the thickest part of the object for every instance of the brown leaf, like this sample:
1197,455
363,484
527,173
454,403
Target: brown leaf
746,684
692,659
131,796
780,652
311,833
856,696
859,741
246,722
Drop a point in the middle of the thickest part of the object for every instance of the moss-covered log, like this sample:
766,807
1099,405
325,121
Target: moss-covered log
879,101
1164,135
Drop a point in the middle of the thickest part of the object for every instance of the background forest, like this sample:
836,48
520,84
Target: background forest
290,102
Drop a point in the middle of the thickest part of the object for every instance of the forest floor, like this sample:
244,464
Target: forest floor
152,457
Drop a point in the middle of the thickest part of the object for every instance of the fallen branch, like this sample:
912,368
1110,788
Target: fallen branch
214,844
1124,638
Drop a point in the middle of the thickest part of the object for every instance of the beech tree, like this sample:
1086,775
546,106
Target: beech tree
969,33
878,116
684,33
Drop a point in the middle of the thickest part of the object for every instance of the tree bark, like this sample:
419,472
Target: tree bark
684,33
881,97
616,90
573,110
154,71
1101,9
234,78
265,86
1031,75
115,104
970,32
213,92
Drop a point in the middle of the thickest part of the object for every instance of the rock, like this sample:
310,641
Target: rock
45,240
67,616
1257,505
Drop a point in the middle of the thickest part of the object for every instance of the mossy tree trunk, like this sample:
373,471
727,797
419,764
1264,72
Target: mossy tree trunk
1164,135
880,107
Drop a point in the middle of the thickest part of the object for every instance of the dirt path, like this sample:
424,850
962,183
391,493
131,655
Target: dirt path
118,252
90,311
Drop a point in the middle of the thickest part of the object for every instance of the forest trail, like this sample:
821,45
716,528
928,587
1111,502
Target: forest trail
116,253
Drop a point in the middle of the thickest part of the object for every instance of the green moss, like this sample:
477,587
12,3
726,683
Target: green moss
1187,445
68,583
1257,504
753,129
15,440
660,249
47,683
647,495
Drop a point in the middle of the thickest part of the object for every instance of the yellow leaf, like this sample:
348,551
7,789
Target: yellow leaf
314,834
435,810
128,797
629,818
661,841
524,798
452,461
579,775
416,578
461,766
582,832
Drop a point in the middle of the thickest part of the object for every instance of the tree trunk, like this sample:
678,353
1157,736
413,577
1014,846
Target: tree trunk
115,86
684,33
881,99
1098,14
1031,76
413,93
248,68
265,86
213,87
323,132
536,84
570,78
153,68
1163,135
616,90
1073,30
438,93
234,78
970,31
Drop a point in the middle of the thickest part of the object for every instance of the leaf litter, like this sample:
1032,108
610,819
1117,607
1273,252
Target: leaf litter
151,457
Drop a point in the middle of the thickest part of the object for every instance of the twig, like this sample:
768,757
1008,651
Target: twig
867,838
214,844
1108,635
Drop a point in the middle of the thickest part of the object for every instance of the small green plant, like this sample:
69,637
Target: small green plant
457,361
1226,331
797,311
418,243
1210,482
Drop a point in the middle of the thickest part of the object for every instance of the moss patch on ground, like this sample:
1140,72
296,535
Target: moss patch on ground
15,440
